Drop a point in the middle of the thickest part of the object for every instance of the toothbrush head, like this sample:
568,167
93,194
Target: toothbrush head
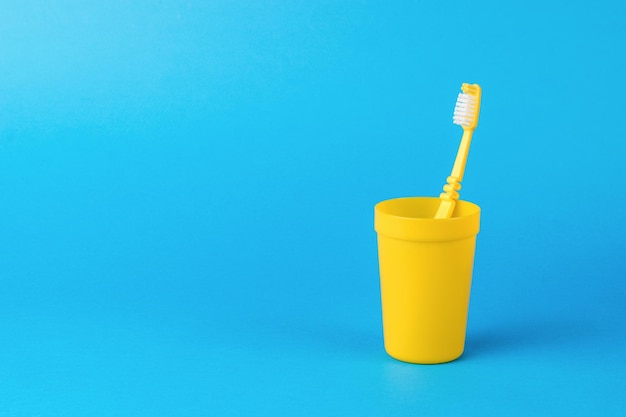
467,106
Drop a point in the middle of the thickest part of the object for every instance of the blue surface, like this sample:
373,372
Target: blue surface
187,205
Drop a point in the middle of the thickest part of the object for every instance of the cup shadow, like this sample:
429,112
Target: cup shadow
528,336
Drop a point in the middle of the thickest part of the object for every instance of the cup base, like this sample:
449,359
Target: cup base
423,360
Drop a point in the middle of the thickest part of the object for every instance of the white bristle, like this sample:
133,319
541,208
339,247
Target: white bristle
464,110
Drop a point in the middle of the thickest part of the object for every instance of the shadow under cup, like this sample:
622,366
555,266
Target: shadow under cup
425,277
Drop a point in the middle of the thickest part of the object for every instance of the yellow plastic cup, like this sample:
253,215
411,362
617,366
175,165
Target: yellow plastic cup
425,277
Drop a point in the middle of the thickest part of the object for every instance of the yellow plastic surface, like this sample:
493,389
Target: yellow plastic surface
451,189
425,277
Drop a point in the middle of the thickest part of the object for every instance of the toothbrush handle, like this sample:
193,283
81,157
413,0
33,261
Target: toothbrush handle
451,194
448,199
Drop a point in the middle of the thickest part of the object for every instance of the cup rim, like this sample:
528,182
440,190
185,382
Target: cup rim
392,218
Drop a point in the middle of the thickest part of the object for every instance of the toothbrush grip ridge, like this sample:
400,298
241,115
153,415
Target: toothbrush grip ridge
451,189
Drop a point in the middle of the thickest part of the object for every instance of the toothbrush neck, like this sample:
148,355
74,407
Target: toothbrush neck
461,157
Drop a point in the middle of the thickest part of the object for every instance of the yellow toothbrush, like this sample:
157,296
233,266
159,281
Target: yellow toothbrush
466,116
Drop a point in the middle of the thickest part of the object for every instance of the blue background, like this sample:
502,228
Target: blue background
187,202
